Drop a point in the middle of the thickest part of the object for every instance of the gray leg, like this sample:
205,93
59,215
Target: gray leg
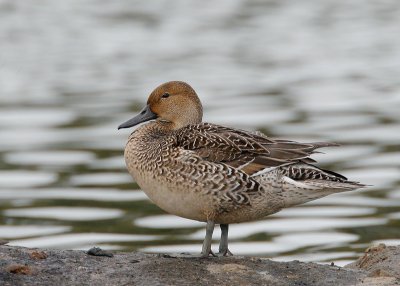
206,251
223,244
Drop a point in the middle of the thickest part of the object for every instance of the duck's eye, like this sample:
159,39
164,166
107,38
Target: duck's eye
165,95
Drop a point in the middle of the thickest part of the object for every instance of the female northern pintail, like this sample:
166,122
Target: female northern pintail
217,174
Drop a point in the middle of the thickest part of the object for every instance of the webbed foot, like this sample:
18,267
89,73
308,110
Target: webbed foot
225,252
205,255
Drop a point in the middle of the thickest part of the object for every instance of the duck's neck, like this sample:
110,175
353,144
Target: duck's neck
154,134
149,132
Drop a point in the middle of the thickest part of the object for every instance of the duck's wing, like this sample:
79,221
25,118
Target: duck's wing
243,150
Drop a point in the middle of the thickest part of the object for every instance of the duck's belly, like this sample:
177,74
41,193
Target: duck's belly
192,203
178,200
246,213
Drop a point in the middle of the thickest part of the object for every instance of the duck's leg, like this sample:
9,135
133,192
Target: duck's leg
206,251
223,244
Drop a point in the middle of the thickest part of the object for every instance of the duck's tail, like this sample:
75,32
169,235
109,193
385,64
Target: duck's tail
303,183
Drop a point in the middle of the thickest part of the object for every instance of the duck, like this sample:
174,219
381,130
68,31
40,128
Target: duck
217,174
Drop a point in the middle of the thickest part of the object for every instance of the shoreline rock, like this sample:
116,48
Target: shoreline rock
24,266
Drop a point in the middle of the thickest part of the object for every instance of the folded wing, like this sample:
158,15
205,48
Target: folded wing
246,151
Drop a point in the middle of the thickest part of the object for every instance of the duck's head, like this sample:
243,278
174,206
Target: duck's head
174,104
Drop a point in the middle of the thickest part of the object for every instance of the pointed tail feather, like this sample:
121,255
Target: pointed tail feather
344,186
300,192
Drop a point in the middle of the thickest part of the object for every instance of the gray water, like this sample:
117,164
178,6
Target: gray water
72,71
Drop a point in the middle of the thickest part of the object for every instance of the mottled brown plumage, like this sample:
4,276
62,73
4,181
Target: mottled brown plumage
217,174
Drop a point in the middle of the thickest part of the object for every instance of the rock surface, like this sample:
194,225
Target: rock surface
23,266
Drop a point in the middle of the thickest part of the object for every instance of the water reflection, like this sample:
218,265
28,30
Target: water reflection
18,231
280,244
100,179
23,179
68,79
65,213
49,158
289,225
77,240
90,194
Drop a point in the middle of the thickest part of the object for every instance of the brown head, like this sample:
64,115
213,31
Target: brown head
174,104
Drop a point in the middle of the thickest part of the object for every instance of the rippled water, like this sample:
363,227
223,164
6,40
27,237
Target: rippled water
71,71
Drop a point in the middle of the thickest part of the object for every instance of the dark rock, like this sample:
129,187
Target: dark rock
97,251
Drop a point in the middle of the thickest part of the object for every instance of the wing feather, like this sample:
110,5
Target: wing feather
246,151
